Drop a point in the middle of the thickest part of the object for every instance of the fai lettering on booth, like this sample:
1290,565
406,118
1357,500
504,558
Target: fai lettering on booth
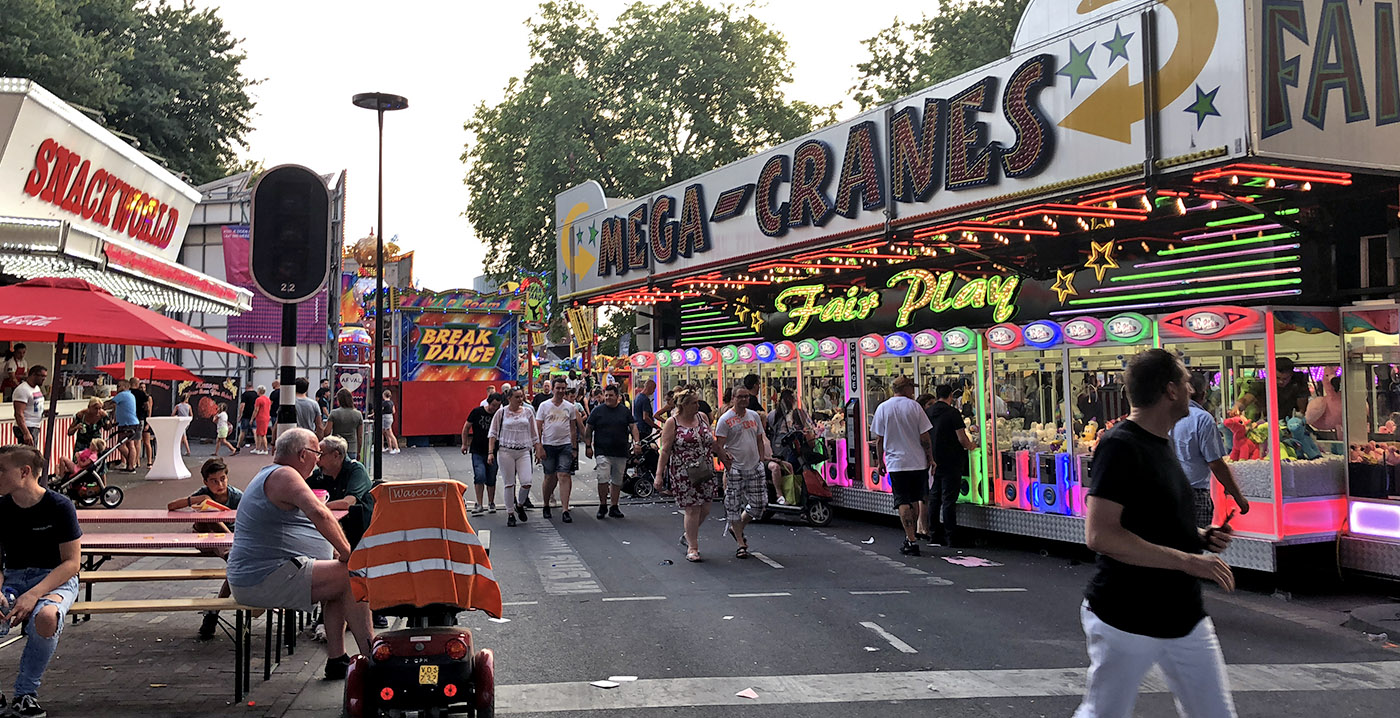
942,145
459,346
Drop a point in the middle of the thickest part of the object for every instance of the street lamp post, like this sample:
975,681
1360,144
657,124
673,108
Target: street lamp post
380,102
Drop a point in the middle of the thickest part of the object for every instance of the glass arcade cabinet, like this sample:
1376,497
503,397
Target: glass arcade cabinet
1371,409
957,363
1028,368
879,367
822,393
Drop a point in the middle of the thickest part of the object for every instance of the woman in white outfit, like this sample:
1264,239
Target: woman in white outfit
515,443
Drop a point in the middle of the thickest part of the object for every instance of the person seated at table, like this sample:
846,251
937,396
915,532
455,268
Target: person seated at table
346,483
40,545
289,551
216,488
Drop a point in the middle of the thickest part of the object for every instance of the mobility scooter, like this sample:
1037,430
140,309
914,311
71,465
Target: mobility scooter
813,504
420,559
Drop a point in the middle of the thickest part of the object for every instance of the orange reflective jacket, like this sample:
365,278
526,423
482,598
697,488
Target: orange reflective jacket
421,550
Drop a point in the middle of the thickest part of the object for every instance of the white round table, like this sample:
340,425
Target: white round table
168,464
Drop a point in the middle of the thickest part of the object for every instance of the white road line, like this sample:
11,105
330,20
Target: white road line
766,560
877,593
915,685
893,640
774,594
521,603
635,598
562,571
996,590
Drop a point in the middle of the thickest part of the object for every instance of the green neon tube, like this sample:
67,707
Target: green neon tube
1182,292
983,461
1208,268
1228,243
718,334
693,304
1250,218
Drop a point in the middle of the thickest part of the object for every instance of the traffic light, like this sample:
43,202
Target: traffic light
290,247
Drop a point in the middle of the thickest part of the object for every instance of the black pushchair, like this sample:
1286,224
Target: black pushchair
86,487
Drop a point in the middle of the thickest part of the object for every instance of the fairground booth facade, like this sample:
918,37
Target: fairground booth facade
1214,177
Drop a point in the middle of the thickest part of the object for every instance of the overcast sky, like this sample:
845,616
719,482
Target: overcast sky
446,56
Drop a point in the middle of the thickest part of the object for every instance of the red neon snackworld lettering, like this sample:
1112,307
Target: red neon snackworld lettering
64,179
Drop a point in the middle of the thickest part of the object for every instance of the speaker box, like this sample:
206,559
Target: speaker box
1051,491
974,485
1012,487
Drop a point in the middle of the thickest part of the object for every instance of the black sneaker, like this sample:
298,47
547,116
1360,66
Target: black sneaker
566,517
615,513
520,512
27,707
4,705
910,548
528,503
336,668
510,520
545,513
209,625
381,622
602,512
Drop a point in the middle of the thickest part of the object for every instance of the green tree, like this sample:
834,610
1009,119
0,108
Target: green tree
669,91
168,75
618,323
907,57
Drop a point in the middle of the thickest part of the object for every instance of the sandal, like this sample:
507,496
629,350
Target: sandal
693,556
741,552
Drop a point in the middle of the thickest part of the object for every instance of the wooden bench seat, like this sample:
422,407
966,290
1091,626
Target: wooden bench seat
163,574
142,552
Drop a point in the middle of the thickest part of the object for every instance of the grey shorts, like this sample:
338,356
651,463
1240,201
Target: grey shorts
745,489
612,470
558,459
288,586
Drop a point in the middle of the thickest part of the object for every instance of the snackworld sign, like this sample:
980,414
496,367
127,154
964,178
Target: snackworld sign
1064,111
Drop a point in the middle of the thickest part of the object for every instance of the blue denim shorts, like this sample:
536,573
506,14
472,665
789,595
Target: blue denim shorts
558,459
483,472
21,580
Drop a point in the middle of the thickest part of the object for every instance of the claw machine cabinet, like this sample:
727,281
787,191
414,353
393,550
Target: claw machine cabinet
1099,351
823,394
705,377
939,364
1027,365
879,367
1263,367
645,367
1370,411
777,369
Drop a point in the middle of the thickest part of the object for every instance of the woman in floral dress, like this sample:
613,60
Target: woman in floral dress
685,443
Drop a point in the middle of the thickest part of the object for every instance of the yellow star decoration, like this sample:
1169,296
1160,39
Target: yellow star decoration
1101,260
1064,285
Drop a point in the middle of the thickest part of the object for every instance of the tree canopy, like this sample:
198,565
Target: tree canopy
168,75
667,92
909,56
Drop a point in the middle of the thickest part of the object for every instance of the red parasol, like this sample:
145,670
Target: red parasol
150,368
47,309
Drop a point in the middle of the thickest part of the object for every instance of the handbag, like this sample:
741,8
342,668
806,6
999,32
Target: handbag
698,474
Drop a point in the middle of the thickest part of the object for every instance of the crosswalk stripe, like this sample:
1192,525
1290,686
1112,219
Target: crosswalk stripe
766,560
773,594
914,685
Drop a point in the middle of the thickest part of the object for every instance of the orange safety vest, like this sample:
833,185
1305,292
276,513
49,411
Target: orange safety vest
420,550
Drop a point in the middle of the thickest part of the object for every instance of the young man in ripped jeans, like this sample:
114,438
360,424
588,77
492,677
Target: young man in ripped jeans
39,547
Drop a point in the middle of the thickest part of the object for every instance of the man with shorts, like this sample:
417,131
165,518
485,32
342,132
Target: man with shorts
608,430
950,442
246,402
40,550
901,429
143,412
1143,606
477,442
558,426
128,426
738,444
290,552
28,399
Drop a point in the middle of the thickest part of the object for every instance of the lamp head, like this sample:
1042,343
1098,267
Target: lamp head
380,101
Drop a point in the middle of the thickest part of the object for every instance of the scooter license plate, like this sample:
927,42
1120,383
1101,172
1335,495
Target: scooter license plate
427,675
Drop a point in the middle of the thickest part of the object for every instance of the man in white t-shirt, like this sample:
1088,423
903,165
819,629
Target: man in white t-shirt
901,429
740,447
559,429
28,400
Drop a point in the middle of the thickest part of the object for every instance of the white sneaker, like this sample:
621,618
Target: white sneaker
319,633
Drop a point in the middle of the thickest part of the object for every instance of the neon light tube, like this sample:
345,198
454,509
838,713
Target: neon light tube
715,337
1201,290
1231,243
1153,305
1198,280
1208,257
1375,519
1210,268
1228,232
727,324
692,315
1250,218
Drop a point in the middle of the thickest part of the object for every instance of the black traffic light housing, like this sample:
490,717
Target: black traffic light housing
290,246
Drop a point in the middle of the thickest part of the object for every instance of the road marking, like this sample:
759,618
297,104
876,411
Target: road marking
888,561
915,685
521,603
892,639
766,560
996,590
635,598
561,569
774,594
877,593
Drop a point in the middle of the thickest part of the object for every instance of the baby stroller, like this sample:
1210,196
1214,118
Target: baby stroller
639,482
813,503
420,559
86,487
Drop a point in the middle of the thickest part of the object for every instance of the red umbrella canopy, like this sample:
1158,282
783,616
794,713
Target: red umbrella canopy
39,310
150,368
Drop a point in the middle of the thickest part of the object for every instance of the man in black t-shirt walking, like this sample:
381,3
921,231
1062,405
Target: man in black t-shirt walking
1143,606
950,446
245,416
611,434
475,442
